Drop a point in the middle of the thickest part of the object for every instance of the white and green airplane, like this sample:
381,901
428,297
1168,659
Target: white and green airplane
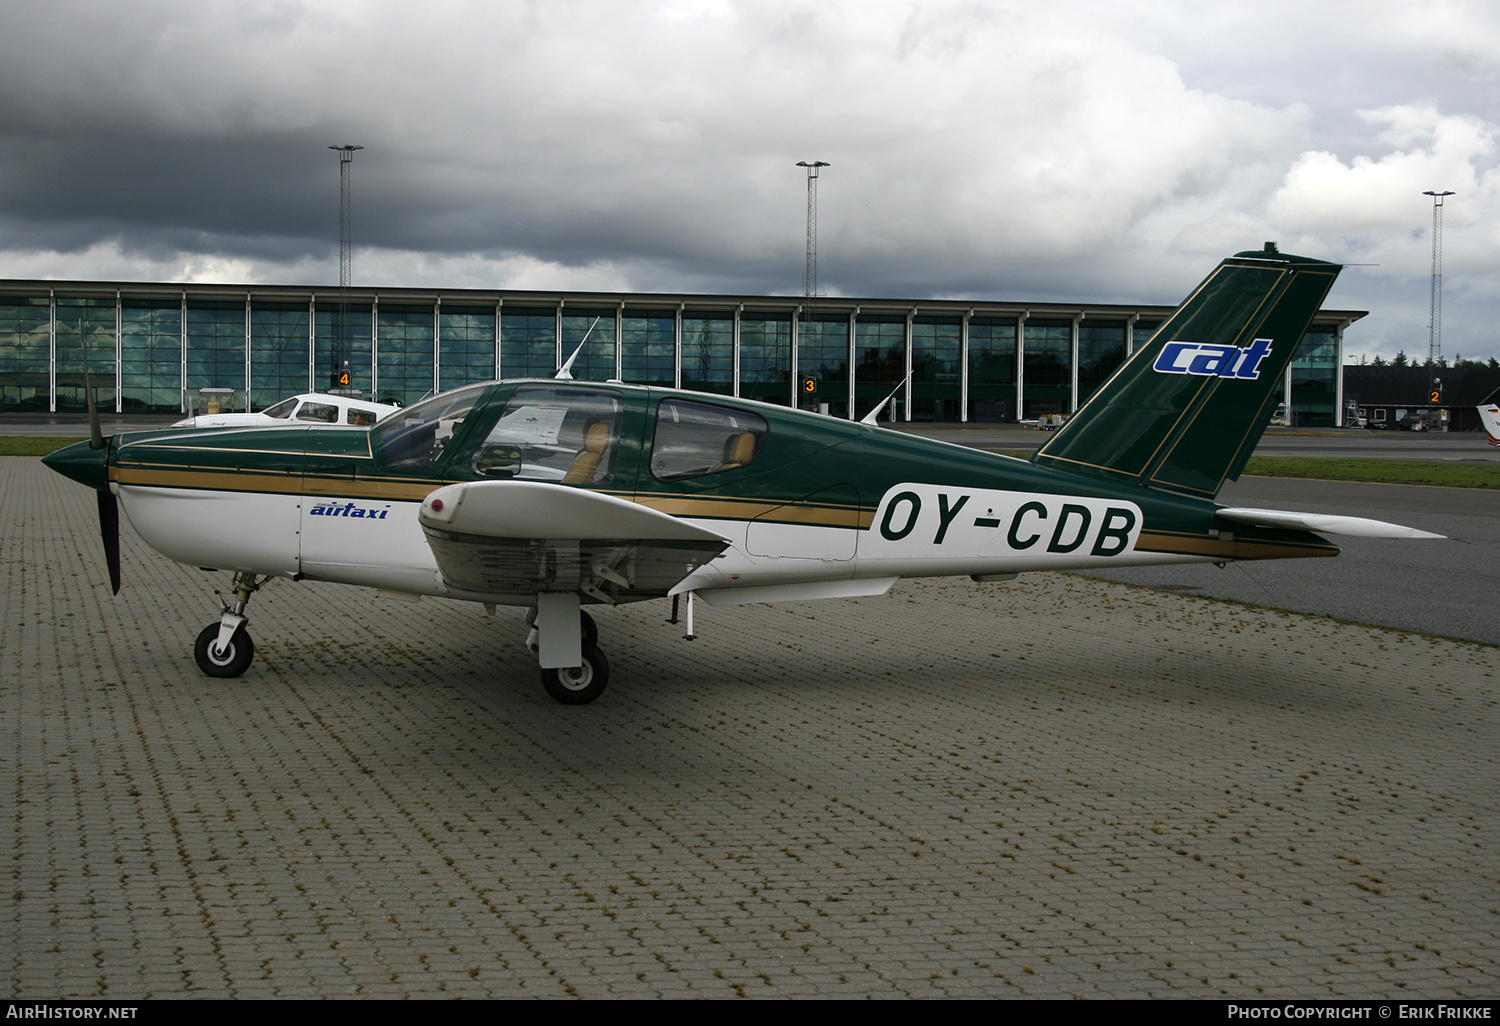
555,494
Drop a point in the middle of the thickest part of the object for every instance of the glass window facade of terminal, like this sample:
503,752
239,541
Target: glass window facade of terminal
528,342
25,354
156,348
151,355
80,323
1048,383
405,369
937,368
466,346
214,338
341,348
708,352
648,347
766,357
879,360
1315,369
992,369
823,354
1101,349
595,328
279,336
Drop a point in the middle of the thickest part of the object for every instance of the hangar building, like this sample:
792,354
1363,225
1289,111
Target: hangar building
153,345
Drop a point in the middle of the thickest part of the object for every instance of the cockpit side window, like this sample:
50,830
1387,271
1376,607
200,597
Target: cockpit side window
569,434
322,413
693,439
414,438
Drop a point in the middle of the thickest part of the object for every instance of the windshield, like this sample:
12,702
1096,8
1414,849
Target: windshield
282,410
415,437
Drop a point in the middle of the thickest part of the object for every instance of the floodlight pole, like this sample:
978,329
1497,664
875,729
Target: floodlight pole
1435,325
810,274
346,260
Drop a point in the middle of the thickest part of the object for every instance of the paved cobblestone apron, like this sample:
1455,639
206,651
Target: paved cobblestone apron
1049,788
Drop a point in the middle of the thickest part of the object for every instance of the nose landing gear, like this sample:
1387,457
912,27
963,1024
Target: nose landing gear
224,649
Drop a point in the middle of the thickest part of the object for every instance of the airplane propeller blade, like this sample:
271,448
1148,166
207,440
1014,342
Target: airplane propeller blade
96,436
109,532
109,509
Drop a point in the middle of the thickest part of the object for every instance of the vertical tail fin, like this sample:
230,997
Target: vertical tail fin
1489,416
1184,412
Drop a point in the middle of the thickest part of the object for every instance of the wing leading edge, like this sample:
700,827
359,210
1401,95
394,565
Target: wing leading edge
509,538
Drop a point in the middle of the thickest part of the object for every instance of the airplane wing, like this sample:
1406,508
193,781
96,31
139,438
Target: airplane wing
531,537
1327,523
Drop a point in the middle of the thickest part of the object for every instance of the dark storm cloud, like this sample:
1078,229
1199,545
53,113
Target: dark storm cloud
981,149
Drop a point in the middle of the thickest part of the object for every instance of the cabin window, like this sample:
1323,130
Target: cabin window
694,439
282,410
321,413
562,433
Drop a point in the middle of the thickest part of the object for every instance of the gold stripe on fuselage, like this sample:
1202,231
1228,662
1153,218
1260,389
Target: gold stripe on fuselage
403,489
729,508
285,483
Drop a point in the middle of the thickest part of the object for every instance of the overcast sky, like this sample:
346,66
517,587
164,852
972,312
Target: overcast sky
1112,151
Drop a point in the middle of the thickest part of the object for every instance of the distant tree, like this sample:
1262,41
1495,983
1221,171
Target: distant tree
1379,361
1400,360
1494,364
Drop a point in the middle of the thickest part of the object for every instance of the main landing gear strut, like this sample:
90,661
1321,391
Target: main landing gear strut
224,648
574,672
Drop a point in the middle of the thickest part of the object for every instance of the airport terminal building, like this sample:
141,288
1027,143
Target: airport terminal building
153,346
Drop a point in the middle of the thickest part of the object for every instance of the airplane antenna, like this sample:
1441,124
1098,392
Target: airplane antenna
870,417
564,373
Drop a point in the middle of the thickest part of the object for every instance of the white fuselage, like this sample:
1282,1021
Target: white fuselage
918,530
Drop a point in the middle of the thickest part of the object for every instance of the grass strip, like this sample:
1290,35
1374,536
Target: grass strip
1413,472
34,445
1442,474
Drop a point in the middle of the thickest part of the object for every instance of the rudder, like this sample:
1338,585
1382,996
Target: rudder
1184,413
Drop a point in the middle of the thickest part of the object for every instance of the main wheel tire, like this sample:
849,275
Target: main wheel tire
578,685
588,629
233,661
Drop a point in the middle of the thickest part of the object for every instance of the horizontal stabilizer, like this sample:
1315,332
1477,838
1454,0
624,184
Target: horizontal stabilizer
801,592
1327,523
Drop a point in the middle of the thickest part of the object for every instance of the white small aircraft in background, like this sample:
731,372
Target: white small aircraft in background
308,408
1489,416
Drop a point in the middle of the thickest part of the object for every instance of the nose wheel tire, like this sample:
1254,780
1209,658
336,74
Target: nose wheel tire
234,660
577,685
